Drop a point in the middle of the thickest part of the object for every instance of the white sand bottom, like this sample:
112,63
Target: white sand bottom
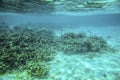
77,67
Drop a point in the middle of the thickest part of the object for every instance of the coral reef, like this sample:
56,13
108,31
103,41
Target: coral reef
31,48
21,44
78,43
38,69
4,28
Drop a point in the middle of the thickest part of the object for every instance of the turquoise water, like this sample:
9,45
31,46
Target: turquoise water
60,46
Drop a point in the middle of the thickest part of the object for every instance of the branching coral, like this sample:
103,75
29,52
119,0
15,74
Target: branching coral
77,43
23,44
38,69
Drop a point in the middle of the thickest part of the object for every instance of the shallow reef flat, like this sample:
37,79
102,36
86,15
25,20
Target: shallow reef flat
39,53
22,48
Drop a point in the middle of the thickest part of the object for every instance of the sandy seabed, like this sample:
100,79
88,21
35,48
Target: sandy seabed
83,67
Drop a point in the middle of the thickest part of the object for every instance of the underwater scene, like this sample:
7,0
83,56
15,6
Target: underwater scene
59,39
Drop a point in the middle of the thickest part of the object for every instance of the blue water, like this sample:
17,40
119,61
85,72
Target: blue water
74,67
85,20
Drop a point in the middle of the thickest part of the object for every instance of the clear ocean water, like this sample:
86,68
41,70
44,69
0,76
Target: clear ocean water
59,47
